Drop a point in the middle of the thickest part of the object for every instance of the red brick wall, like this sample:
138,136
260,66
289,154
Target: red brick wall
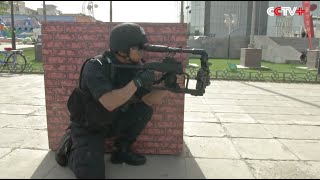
65,47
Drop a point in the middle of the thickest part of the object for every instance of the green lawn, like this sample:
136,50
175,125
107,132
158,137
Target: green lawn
268,72
29,53
222,64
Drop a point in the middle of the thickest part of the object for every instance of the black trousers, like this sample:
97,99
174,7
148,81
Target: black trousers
86,158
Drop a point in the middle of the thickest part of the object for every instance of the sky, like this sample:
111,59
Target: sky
123,11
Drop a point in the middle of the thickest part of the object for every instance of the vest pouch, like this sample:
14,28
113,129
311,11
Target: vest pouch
76,105
98,117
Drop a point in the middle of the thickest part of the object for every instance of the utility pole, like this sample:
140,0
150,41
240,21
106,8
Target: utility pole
253,20
207,9
13,36
110,11
181,13
44,11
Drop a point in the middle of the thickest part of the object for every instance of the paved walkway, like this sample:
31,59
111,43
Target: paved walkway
18,46
237,130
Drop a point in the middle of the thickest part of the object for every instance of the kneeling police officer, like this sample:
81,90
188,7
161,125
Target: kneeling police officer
109,103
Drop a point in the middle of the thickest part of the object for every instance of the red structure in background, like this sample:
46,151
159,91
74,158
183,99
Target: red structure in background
308,22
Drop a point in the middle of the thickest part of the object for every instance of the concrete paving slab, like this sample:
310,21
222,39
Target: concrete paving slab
7,119
39,111
306,120
157,167
196,108
282,170
264,103
314,131
211,148
315,167
4,151
294,131
246,130
235,117
203,129
38,142
24,163
273,118
59,172
13,138
27,122
303,103
200,117
270,149
238,96
194,100
241,108
221,101
310,111
17,109
273,110
22,100
304,149
227,109
217,169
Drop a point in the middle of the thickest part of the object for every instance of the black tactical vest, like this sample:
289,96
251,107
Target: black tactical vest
86,111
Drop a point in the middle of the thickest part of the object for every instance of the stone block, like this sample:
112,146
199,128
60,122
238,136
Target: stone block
251,57
313,57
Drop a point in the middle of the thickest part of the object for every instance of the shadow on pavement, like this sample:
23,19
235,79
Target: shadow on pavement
289,97
181,166
49,169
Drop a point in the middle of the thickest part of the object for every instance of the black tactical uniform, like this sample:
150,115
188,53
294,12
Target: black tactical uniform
82,148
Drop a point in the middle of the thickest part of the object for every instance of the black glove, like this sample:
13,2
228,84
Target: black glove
144,78
170,81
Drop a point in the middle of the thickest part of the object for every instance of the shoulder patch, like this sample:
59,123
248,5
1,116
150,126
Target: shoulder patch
142,30
99,61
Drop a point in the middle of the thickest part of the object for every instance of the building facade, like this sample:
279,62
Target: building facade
50,10
291,26
27,20
221,18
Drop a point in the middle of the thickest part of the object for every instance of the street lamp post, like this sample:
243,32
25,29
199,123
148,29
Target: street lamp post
110,11
44,11
229,22
181,13
13,36
187,13
253,20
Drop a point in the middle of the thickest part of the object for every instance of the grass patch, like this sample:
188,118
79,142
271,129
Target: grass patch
29,53
222,64
273,72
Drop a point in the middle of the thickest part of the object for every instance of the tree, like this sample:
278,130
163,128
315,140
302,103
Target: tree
4,6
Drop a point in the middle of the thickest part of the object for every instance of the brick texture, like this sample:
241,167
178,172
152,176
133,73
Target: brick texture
66,45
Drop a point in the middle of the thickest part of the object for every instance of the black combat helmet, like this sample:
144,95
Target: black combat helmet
127,35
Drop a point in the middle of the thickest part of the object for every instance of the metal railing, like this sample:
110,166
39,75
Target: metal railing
239,75
274,76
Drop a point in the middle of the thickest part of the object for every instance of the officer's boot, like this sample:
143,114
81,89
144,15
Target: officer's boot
122,154
63,149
